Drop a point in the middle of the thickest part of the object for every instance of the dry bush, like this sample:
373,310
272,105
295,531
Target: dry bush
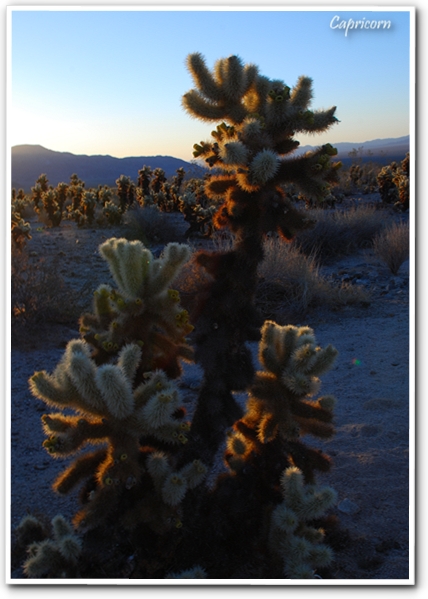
392,246
358,178
340,232
191,284
149,225
39,296
291,284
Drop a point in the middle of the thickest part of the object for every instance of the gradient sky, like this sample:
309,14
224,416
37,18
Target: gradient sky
111,82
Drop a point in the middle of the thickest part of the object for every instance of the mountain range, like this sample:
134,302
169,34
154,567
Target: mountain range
30,161
383,151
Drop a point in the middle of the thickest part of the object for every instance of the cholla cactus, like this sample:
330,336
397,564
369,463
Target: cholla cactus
144,175
88,204
291,536
112,213
125,191
158,180
199,217
144,309
281,400
251,147
260,118
393,182
21,230
51,206
50,556
112,410
117,380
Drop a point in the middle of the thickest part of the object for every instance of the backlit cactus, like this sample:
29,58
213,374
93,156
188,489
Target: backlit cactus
144,309
260,118
113,410
21,230
54,555
291,535
393,183
252,151
117,379
281,403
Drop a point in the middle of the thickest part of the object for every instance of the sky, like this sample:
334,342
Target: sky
111,81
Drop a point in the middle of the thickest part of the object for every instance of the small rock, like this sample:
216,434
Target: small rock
348,507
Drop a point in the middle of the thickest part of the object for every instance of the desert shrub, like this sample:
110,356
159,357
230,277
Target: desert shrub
340,232
150,225
291,284
392,246
39,294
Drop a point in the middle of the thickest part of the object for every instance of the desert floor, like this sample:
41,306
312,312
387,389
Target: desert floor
370,380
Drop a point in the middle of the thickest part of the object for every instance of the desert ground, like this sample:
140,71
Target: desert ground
371,450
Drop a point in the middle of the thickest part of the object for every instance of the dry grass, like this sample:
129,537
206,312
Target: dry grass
291,284
392,246
39,296
340,232
149,225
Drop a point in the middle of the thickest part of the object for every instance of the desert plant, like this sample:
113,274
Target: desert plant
20,230
22,204
290,284
39,294
49,202
393,182
41,186
54,553
144,178
252,153
340,232
392,246
200,219
112,213
75,192
145,484
122,402
158,179
104,195
125,192
150,225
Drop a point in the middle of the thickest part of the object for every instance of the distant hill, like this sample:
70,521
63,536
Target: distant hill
383,151
30,161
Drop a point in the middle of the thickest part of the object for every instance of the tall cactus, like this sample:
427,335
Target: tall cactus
251,147
144,482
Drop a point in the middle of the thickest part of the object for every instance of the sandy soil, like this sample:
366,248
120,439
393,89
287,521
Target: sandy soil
370,381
